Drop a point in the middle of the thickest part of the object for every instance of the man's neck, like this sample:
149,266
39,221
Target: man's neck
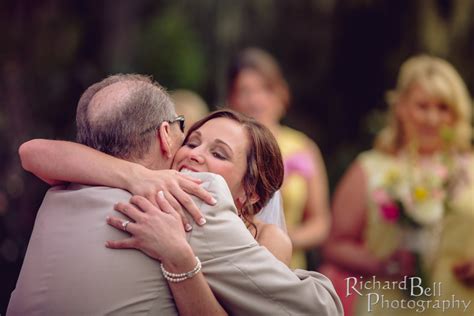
153,163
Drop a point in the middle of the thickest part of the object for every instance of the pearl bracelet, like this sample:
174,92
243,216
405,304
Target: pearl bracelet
179,277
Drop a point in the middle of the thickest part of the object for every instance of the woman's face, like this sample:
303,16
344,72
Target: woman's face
252,96
219,146
423,118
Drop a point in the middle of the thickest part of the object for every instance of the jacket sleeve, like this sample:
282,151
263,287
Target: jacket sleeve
245,277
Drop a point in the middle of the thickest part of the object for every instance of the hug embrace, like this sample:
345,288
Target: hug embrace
194,209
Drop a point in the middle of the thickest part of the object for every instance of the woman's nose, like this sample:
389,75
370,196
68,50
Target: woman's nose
433,117
196,156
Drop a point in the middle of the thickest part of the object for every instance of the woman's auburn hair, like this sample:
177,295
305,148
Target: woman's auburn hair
264,174
440,80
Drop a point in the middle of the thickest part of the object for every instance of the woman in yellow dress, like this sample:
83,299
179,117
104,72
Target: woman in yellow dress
257,88
404,211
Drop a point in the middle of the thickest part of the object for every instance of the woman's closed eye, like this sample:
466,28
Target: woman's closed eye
219,155
422,105
444,108
191,144
219,151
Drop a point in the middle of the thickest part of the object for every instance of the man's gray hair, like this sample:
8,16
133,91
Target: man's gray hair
120,121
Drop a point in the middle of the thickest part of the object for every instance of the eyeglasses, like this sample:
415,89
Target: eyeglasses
180,119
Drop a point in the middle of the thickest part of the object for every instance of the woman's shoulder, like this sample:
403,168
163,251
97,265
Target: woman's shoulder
269,231
375,158
374,154
293,139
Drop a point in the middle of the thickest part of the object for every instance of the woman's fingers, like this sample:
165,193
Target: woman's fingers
129,210
122,224
177,209
187,202
172,201
196,190
164,204
150,196
190,178
143,204
128,243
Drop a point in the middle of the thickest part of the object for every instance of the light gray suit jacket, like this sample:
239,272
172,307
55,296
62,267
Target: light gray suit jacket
68,271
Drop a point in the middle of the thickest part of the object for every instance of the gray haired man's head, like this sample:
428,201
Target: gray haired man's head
118,114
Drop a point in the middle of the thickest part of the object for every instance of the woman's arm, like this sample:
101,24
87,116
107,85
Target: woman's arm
315,228
60,161
165,240
276,241
345,245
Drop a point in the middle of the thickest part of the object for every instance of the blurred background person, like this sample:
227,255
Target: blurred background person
405,208
189,104
256,87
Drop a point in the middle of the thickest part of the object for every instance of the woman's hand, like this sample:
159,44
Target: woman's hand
464,272
155,230
176,187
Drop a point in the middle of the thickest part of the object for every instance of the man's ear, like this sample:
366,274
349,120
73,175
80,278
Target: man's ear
165,139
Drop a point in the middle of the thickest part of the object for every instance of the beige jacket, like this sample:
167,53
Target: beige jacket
68,271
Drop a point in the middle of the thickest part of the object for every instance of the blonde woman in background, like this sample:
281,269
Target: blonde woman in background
258,89
190,105
406,208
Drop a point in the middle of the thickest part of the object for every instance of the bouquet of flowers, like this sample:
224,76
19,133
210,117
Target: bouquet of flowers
415,199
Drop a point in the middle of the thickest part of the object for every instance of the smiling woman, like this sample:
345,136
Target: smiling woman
205,150
421,171
239,149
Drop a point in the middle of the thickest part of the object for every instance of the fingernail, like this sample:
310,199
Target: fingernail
161,194
188,227
202,221
107,219
213,201
107,244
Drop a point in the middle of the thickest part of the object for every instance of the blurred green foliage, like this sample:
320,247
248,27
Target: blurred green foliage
171,51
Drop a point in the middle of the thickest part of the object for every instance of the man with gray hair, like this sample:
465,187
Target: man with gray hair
68,271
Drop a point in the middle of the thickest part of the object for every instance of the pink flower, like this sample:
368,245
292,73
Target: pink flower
441,171
388,207
390,212
381,197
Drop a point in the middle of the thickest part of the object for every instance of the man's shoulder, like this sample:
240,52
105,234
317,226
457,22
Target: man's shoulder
215,185
79,194
78,188
208,177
